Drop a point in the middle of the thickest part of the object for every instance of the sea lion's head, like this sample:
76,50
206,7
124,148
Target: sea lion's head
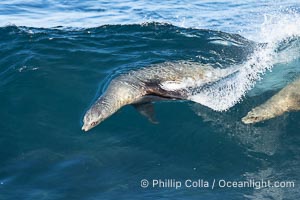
94,116
258,114
118,94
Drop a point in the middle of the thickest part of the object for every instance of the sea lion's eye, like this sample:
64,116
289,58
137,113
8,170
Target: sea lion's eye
93,123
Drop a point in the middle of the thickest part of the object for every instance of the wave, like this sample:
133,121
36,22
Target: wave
113,49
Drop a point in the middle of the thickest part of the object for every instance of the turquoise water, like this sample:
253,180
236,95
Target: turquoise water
50,77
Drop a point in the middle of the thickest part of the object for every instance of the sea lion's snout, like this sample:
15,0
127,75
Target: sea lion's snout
250,119
89,125
85,128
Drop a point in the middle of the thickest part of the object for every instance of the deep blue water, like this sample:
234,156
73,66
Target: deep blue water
60,55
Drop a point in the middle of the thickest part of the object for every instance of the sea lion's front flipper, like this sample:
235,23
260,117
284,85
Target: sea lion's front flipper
147,110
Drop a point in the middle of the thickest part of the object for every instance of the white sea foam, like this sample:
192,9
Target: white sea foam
225,94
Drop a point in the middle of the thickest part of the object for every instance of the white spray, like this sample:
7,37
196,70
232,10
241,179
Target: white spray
225,94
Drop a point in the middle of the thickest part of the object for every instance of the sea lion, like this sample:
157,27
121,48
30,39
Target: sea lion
287,99
166,81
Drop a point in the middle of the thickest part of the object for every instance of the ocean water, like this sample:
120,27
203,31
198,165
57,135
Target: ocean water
58,56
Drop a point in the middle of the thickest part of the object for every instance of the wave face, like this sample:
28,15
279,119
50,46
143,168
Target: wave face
49,76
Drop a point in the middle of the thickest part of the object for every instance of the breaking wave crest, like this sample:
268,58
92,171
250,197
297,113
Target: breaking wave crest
281,34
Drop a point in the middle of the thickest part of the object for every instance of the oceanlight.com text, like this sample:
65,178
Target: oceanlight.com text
215,183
